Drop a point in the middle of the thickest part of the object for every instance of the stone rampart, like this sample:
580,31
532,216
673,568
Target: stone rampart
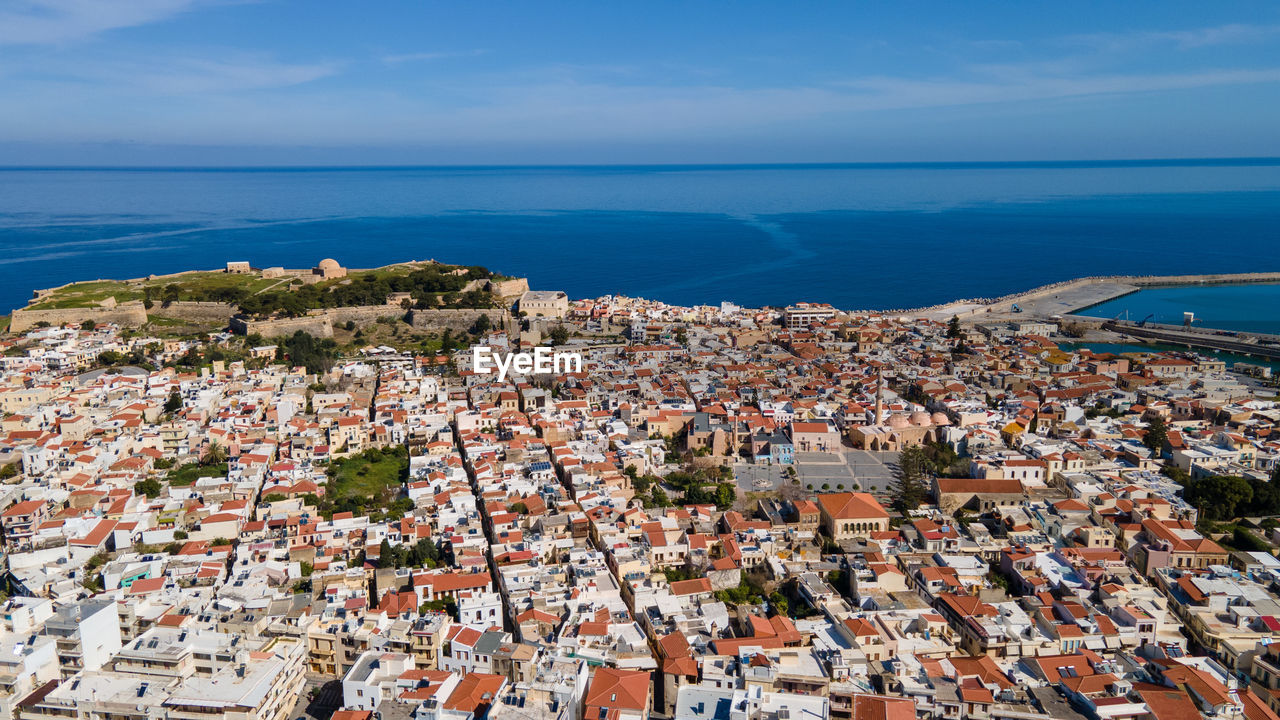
456,319
364,314
130,314
202,312
317,325
320,323
512,288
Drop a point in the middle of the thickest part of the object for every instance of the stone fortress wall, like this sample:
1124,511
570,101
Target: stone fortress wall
320,323
457,320
317,325
513,288
201,312
130,314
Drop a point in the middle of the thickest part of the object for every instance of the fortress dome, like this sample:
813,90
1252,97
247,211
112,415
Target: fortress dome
328,268
940,418
920,418
899,421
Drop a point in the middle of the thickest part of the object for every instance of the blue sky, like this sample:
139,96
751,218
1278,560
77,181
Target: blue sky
426,82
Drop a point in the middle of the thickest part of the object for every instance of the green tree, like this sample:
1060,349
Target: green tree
836,579
944,461
1175,473
779,603
424,552
149,487
1245,540
1266,498
1156,436
559,335
174,403
481,325
909,487
216,454
660,498
1219,497
725,495
317,355
953,327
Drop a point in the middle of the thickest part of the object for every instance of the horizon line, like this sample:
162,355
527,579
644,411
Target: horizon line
1240,161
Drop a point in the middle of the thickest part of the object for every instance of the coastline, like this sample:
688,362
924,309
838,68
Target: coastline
1064,298
1072,296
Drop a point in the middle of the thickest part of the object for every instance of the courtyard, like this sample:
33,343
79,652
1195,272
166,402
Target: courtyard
847,470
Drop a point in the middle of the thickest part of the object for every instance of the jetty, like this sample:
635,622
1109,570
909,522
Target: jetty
1260,345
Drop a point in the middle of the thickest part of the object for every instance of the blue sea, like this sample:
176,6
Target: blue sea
1254,307
857,236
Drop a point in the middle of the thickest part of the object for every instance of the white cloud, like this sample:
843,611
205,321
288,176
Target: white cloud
45,22
1230,34
195,76
429,56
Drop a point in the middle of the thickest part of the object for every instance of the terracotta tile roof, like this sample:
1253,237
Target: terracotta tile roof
615,689
851,506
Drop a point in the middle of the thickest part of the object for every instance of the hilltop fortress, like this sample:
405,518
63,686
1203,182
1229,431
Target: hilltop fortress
135,302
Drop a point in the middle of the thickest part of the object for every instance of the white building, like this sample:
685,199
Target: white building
373,679
88,635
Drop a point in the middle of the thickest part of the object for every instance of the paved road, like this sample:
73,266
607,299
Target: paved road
1067,300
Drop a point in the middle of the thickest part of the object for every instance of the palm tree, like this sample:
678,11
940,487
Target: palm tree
214,455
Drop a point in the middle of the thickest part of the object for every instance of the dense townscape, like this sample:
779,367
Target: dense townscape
728,513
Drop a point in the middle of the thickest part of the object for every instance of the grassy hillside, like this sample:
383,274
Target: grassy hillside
213,286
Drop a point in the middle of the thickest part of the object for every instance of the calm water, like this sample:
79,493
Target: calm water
1226,307
879,236
1122,348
